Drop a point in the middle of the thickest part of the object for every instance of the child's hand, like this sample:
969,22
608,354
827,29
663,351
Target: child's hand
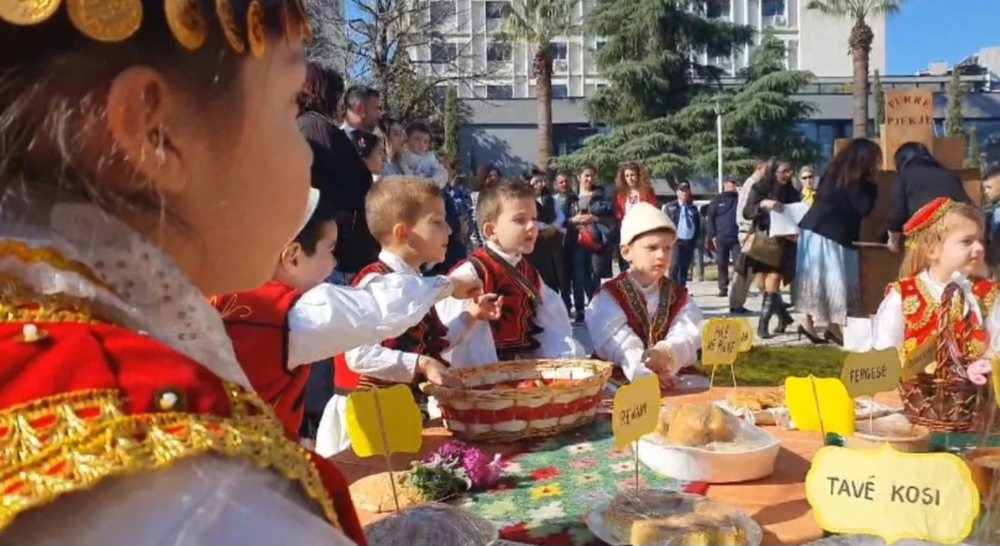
463,287
486,307
434,370
978,370
667,381
658,361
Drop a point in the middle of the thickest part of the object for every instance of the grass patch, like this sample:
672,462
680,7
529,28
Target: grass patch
769,366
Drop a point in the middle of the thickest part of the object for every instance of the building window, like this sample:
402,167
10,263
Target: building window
599,44
558,51
717,9
497,9
443,53
441,10
773,13
560,91
498,52
499,92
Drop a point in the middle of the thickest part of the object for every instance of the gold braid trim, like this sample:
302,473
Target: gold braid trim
49,256
20,304
70,442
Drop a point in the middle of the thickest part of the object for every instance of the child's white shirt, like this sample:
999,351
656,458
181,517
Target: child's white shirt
382,362
476,346
425,166
614,339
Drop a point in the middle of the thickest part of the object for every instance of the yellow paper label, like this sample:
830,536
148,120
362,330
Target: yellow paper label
995,377
893,495
746,335
867,374
919,359
636,410
836,406
720,342
391,414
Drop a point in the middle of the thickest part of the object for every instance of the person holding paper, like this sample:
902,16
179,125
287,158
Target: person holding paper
770,194
944,252
828,274
641,320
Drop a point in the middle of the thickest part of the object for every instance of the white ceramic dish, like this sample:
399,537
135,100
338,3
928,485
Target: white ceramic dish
713,466
595,522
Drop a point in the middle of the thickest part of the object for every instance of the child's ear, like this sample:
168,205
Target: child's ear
489,228
400,232
290,255
625,251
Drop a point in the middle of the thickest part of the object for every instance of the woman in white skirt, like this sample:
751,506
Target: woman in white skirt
827,276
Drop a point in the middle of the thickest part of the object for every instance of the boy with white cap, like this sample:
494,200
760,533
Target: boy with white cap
640,320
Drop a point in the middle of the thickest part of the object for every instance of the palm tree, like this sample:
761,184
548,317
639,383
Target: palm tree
860,43
536,23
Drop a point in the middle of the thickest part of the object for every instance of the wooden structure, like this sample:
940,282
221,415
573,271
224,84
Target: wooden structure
909,117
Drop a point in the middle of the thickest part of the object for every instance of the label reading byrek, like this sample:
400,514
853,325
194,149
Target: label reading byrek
893,495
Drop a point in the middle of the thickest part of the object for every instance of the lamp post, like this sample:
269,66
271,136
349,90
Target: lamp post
718,140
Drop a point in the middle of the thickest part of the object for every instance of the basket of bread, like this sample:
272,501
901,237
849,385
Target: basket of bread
518,400
703,442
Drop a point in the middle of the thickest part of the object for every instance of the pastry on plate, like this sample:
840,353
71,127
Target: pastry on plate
695,425
755,400
374,493
662,517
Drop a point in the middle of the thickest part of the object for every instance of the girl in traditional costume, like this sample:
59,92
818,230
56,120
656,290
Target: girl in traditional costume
939,280
150,157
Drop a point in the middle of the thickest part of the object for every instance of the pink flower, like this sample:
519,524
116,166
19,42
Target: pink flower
583,463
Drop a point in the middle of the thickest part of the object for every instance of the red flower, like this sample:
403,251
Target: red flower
546,473
515,533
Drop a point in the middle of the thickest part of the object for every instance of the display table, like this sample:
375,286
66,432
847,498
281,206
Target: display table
777,503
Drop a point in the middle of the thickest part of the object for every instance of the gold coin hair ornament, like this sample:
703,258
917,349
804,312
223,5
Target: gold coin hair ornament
118,20
27,12
187,22
256,35
106,20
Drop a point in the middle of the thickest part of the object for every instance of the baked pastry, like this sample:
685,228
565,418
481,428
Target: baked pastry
756,400
374,493
695,425
662,517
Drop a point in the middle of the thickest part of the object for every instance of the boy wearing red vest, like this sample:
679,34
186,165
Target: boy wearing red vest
640,320
533,321
407,217
296,318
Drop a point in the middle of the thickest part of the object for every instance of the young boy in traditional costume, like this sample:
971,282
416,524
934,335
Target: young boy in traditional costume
406,215
295,318
945,257
533,322
142,142
641,320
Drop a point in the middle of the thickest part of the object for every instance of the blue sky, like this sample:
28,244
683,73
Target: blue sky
940,30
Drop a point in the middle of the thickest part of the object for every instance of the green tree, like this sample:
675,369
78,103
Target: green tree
451,123
975,159
650,56
860,43
879,95
535,23
953,117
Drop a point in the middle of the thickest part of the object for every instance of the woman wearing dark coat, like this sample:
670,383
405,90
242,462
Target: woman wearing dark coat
766,196
920,179
828,272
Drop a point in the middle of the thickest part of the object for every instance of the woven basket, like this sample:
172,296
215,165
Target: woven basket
512,415
948,405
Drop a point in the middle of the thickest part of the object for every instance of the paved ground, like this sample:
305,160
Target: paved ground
706,294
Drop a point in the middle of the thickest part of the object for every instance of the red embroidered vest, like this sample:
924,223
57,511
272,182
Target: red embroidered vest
920,311
672,299
521,287
257,323
426,338
97,401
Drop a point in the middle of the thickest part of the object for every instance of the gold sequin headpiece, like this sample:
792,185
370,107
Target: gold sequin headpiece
118,20
929,216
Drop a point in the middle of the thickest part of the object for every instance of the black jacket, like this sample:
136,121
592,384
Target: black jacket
837,213
343,180
919,183
763,190
674,211
721,216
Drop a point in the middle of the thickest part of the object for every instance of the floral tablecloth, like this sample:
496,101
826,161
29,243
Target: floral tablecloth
549,488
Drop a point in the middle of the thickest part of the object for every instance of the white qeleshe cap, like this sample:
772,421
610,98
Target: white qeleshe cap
311,203
642,218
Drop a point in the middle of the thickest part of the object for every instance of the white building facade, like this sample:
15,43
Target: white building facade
468,28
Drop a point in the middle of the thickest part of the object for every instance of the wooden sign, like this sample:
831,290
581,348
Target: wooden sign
872,372
384,421
636,410
721,341
909,117
893,495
